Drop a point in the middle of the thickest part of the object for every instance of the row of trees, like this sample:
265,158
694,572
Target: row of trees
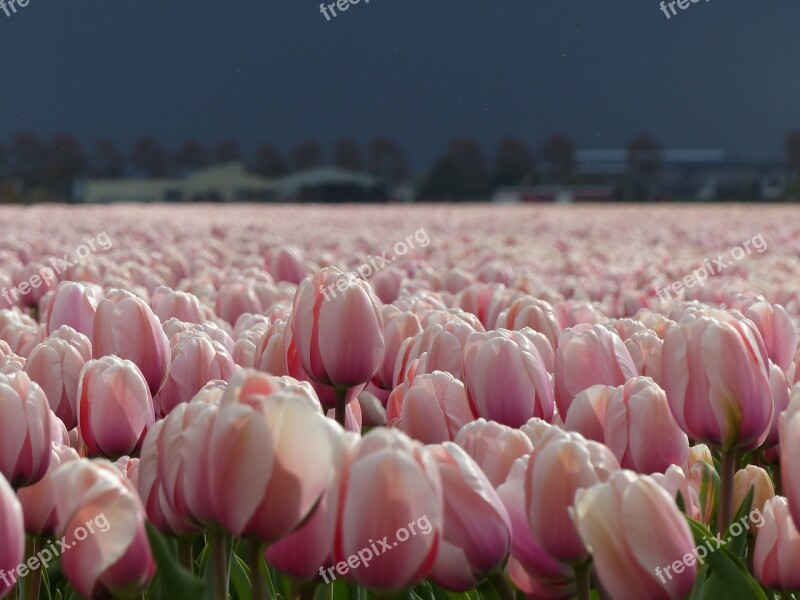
57,162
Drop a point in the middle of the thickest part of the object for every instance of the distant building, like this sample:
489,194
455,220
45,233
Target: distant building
232,183
331,184
558,194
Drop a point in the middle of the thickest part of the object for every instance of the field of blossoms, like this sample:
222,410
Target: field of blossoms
420,402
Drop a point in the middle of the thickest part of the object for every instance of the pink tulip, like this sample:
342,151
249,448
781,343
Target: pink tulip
525,550
757,479
506,379
477,530
640,430
494,447
302,552
236,298
25,430
675,482
537,314
125,326
775,325
780,400
388,469
431,408
716,376
561,463
789,447
286,263
398,327
74,304
195,361
337,329
56,365
777,549
588,355
167,303
39,500
269,497
12,550
587,413
103,520
115,408
609,517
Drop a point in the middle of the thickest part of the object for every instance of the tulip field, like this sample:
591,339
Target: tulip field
419,402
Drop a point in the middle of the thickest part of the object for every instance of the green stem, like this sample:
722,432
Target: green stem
185,554
221,562
583,581
341,404
33,582
725,513
255,559
500,584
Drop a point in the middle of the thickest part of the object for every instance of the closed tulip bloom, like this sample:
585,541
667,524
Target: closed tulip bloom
777,550
431,408
389,470
236,298
398,327
589,355
477,529
775,325
647,349
337,329
716,376
537,314
56,365
640,430
609,517
115,559
757,479
494,447
525,549
115,408
74,304
167,304
301,553
789,447
196,360
781,395
39,500
675,481
286,263
25,430
506,378
560,464
587,413
126,326
269,497
12,532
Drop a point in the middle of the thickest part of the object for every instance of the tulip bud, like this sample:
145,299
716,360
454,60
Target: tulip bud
756,478
494,447
777,550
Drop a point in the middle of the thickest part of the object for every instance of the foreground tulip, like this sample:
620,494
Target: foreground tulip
477,529
610,518
115,409
789,428
562,463
74,304
506,378
12,532
388,469
640,430
494,447
717,380
39,500
125,326
337,330
777,550
268,498
111,557
589,355
56,365
25,429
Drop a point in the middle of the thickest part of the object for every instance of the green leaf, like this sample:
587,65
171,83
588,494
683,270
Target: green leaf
240,578
176,582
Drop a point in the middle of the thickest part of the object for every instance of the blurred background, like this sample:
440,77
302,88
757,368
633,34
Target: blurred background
399,101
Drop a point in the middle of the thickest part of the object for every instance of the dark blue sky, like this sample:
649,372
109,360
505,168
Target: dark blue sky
719,74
